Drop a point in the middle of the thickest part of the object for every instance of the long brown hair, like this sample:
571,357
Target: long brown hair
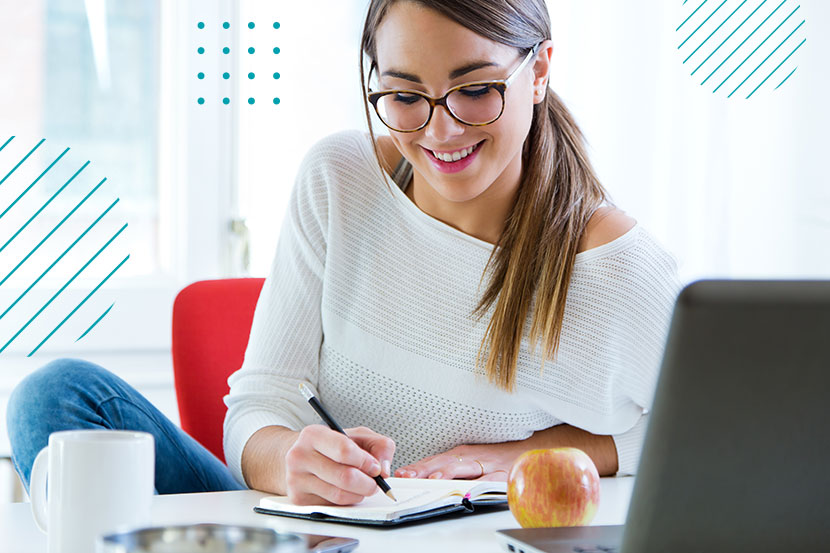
533,260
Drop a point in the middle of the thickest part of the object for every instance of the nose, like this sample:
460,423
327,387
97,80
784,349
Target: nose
442,126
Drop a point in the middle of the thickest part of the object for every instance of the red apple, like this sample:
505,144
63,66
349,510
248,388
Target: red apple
553,487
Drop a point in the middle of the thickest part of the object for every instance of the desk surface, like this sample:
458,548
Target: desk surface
18,533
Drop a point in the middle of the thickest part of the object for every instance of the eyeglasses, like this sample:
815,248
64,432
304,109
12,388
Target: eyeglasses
475,104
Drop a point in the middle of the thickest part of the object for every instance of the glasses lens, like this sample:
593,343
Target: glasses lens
476,104
403,111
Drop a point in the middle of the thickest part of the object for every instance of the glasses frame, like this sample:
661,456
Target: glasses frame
499,84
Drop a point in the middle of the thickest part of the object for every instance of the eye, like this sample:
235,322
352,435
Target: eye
475,90
405,98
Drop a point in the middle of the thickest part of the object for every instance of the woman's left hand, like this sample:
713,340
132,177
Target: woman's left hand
471,462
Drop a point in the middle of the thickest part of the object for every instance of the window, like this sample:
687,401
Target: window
113,82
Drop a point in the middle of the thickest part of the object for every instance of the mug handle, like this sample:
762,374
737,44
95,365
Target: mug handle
37,489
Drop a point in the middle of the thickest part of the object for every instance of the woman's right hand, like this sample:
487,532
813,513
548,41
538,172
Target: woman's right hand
325,467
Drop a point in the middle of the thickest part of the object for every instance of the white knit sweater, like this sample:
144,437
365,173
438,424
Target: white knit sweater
369,301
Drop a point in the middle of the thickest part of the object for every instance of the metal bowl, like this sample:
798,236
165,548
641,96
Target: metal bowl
202,538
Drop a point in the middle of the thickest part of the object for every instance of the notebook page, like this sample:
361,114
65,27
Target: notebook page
374,507
414,495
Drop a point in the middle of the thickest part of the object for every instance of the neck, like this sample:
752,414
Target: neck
482,217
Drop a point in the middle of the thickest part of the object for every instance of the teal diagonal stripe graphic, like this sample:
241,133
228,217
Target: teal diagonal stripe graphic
19,163
62,288
54,230
104,314
741,45
80,304
62,247
55,262
34,182
44,206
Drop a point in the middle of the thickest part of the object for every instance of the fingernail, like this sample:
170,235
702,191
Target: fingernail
387,467
375,468
412,474
436,475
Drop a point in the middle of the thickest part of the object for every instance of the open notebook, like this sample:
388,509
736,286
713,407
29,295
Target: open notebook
418,499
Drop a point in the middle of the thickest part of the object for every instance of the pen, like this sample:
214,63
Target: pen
318,407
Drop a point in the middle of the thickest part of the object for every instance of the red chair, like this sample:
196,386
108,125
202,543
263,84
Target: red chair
211,324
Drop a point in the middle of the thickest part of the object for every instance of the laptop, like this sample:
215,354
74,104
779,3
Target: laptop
736,456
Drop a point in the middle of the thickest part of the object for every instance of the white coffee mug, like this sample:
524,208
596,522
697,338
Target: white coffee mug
99,481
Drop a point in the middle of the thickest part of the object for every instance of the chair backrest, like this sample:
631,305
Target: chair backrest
211,324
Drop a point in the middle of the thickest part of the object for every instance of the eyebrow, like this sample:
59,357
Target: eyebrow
454,74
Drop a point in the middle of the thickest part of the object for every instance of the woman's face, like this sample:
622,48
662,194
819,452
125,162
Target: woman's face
428,47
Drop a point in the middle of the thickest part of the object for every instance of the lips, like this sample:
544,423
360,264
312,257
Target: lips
451,156
459,164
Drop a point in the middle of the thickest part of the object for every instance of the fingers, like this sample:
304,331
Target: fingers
377,445
324,466
346,451
444,466
308,489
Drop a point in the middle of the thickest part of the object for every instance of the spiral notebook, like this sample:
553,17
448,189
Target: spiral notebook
418,499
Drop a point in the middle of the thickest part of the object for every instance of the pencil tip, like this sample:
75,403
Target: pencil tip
389,493
305,391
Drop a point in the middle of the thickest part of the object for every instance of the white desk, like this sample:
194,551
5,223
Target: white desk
18,533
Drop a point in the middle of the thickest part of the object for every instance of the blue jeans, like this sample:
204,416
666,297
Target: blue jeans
71,394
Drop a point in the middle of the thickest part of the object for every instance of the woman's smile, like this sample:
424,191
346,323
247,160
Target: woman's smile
453,161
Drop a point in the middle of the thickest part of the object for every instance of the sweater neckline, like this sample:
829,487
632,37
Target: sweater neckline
415,213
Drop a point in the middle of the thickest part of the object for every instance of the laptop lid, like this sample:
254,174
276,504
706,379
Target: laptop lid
736,454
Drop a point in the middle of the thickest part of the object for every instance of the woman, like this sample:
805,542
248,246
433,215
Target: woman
484,301
414,308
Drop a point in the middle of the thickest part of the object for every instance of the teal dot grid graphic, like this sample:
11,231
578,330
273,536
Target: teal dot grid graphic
740,47
59,246
226,50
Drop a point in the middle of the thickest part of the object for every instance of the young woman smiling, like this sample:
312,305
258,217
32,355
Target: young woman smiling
485,300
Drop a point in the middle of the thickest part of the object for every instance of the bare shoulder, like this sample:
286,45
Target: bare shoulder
389,154
606,224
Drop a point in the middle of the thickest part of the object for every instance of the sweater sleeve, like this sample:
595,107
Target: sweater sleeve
647,290
629,444
286,333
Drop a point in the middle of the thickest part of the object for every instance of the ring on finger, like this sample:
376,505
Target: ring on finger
482,467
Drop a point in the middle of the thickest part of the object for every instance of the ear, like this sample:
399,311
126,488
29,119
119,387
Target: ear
541,70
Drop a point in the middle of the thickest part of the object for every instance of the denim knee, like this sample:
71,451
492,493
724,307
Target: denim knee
50,385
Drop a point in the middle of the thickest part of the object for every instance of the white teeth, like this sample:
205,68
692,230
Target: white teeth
455,156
